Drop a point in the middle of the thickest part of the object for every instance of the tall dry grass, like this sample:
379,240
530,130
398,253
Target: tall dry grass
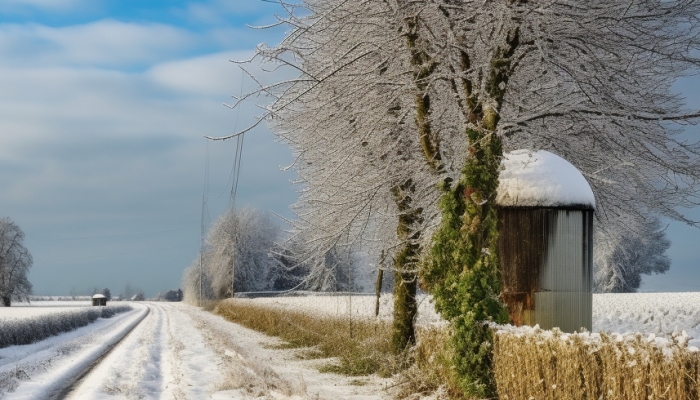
561,366
541,365
361,346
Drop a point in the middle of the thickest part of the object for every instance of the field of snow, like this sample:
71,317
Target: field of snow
657,313
660,314
37,308
360,306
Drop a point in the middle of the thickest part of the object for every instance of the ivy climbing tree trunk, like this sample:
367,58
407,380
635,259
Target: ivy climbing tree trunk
462,272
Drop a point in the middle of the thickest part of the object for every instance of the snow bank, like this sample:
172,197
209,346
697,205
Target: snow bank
541,179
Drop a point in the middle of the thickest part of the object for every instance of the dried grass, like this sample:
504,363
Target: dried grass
559,366
361,346
543,365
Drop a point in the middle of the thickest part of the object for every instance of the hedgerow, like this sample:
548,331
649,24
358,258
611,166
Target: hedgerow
31,330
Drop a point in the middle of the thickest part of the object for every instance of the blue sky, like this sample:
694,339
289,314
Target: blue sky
103,108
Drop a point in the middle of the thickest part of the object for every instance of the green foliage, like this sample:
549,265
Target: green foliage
462,271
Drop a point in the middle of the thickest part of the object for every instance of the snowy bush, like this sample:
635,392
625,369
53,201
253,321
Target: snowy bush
31,330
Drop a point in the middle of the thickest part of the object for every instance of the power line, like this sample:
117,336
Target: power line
234,190
202,224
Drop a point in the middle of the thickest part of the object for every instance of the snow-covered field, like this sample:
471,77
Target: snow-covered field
37,308
658,313
361,306
176,351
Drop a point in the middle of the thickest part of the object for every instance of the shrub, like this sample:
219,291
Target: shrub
31,330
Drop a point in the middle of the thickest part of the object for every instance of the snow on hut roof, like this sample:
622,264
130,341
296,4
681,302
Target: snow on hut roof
541,179
99,296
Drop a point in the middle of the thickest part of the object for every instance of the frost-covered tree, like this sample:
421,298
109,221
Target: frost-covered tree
107,294
138,296
621,258
196,284
395,97
15,262
240,242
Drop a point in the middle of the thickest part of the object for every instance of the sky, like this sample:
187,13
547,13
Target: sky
104,105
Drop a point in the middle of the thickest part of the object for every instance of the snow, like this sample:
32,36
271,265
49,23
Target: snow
357,306
541,179
660,314
666,320
47,366
99,296
38,308
173,350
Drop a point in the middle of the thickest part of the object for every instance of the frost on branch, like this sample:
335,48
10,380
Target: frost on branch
383,92
622,256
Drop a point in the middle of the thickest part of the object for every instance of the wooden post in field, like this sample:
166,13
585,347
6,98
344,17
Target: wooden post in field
380,277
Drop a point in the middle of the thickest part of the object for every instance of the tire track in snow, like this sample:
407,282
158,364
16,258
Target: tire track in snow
195,370
166,357
61,360
132,370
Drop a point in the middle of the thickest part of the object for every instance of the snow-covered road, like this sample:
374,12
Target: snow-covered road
169,351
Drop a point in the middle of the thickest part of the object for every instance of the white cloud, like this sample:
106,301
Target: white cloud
105,42
45,5
101,129
218,11
213,74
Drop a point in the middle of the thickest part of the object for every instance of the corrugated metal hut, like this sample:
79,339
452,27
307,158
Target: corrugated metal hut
545,211
99,300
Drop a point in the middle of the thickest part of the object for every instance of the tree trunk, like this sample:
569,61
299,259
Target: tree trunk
405,307
405,269
6,301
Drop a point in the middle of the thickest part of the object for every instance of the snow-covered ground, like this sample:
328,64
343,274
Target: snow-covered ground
176,351
361,306
658,313
37,308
